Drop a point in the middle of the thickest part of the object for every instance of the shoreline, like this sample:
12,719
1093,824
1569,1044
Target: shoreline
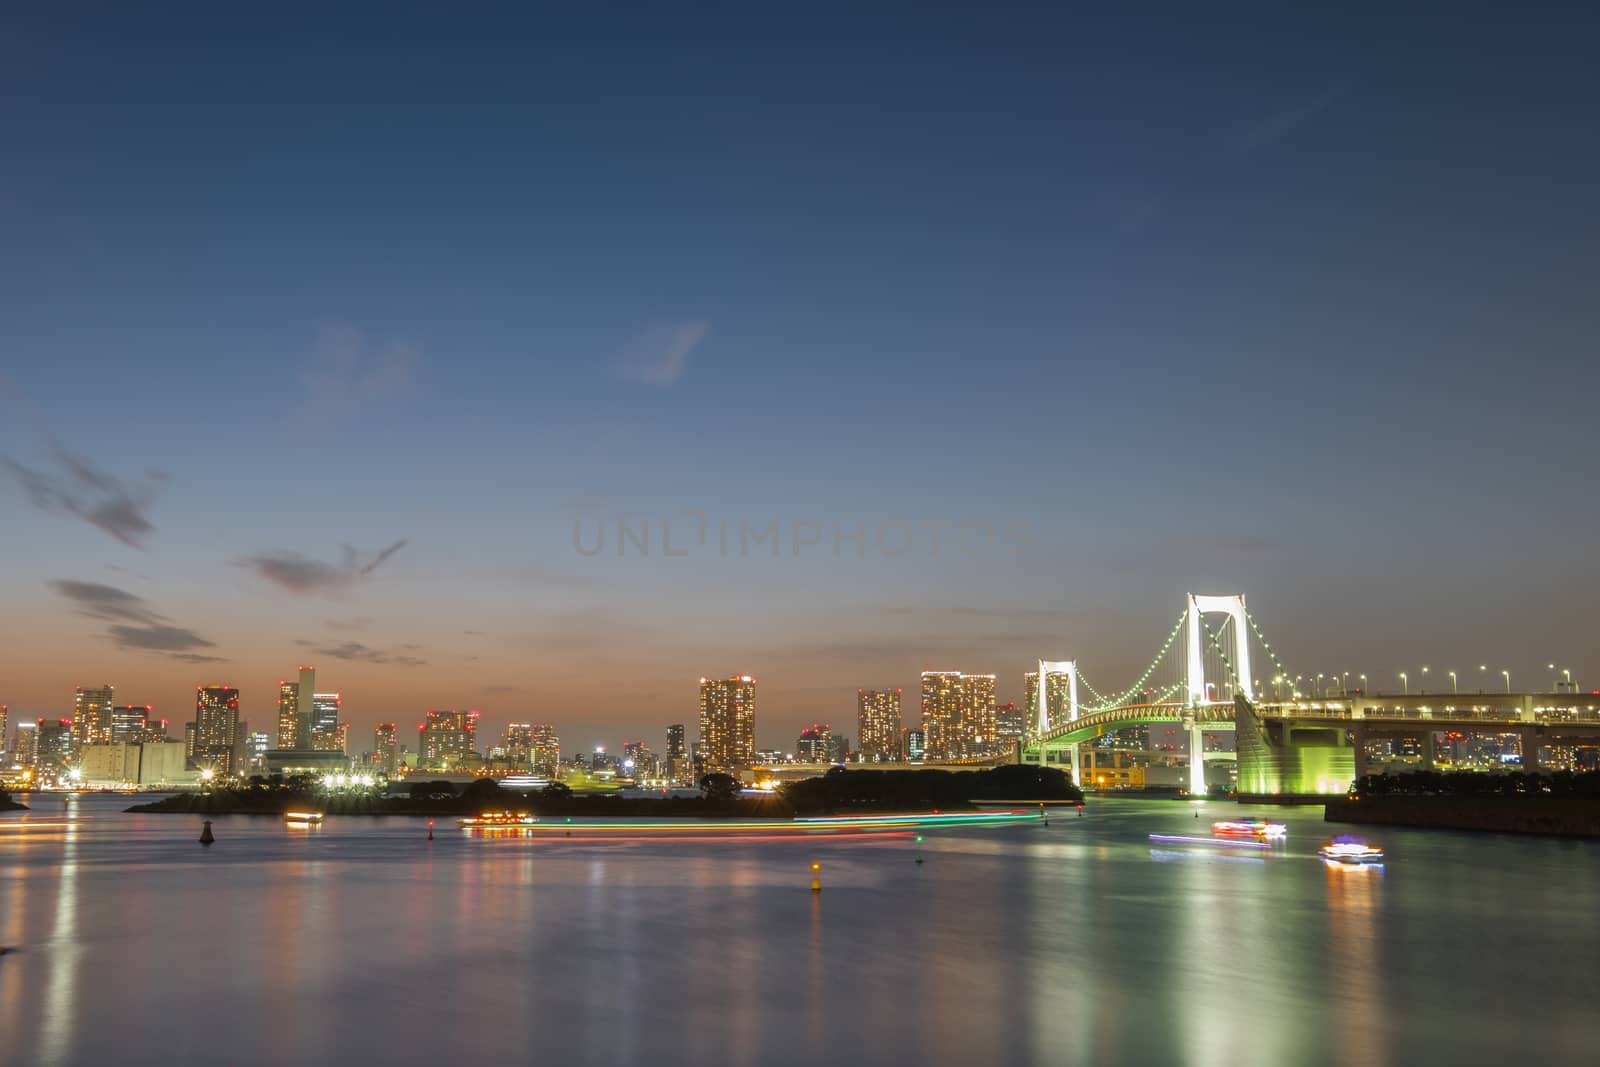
1537,816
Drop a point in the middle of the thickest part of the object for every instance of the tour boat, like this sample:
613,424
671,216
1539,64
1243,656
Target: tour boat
499,818
303,818
1350,852
1259,828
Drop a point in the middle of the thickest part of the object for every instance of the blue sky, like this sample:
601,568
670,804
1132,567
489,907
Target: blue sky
1299,306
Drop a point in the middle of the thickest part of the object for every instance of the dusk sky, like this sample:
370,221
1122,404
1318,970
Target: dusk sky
319,336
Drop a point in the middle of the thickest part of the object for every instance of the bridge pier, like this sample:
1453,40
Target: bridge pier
1197,759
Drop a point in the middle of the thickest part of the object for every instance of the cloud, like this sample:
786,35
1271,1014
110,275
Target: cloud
1283,122
76,487
660,356
133,623
347,374
300,574
359,622
355,651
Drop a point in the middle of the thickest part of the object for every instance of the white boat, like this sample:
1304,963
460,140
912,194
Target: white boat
303,818
1350,852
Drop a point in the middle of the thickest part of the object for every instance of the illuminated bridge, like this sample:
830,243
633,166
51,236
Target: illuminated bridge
1285,746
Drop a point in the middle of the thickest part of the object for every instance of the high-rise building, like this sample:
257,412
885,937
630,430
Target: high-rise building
916,745
677,758
518,743
255,752
978,717
216,729
445,740
638,760
54,747
129,722
91,716
288,714
25,745
325,722
878,724
728,722
1010,722
5,721
336,739
838,748
305,691
384,748
545,754
814,744
958,714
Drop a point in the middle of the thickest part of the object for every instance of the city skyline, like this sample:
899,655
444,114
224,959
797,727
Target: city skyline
1211,345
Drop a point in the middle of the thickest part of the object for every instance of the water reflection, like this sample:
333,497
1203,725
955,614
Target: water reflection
1353,901
1074,943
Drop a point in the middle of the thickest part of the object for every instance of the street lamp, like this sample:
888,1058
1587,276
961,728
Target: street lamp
1424,679
1363,683
1319,685
1404,685
1567,674
1453,688
1507,675
1481,668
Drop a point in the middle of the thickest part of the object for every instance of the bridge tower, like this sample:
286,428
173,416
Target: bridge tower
1042,723
1201,605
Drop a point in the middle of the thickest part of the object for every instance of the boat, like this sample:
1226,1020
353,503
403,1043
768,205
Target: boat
1351,853
499,818
1257,828
303,818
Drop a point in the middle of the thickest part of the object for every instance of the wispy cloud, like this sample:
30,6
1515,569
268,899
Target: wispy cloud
355,651
301,574
72,485
132,623
348,373
1274,127
660,356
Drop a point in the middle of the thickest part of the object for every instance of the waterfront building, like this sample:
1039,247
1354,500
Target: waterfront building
445,740
916,745
216,729
128,724
878,725
839,748
958,714
325,708
288,713
677,756
255,751
304,693
25,745
5,720
814,744
1010,723
91,715
54,746
728,722
384,753
545,754
517,740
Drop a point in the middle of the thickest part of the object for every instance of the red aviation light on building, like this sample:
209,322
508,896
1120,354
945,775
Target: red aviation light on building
149,707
